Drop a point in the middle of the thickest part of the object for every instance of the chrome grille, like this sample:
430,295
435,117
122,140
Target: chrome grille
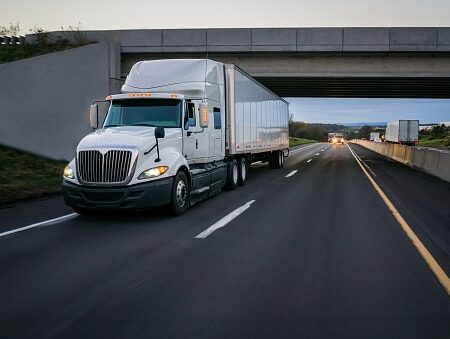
111,167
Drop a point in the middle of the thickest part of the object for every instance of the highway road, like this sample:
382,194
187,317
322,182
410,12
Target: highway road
307,251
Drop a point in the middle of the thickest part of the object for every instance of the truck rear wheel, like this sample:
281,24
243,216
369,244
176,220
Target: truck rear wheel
277,160
180,194
232,175
243,171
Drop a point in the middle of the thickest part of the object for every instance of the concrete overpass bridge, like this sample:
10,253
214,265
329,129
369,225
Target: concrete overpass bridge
305,62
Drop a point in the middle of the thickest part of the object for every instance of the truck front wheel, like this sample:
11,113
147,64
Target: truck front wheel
180,194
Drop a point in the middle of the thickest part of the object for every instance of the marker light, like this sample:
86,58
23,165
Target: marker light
203,115
153,172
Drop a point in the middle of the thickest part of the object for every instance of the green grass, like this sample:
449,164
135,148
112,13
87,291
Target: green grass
441,143
24,175
299,141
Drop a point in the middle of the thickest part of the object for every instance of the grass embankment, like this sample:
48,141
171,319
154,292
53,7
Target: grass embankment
441,143
299,141
24,175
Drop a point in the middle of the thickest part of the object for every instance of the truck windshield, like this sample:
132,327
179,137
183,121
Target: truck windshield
144,112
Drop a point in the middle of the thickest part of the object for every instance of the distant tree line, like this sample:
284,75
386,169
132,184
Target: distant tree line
437,132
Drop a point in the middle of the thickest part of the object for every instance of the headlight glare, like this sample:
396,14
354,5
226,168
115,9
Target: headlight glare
153,172
68,173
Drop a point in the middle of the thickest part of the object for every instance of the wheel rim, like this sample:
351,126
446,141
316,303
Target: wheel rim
280,158
243,170
235,174
181,193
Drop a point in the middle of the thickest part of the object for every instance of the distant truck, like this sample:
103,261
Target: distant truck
374,135
402,132
181,131
338,138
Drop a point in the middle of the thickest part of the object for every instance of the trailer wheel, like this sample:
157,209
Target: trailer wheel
243,171
232,175
180,194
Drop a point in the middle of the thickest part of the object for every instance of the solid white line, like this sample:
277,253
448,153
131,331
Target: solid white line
291,174
225,220
317,154
309,160
43,223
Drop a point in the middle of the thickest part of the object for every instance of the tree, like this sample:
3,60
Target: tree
364,132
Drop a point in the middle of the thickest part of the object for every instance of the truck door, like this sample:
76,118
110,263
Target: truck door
190,143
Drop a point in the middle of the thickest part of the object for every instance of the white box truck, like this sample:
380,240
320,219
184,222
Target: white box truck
402,132
374,135
179,132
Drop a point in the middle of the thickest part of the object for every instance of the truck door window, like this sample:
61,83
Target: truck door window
190,115
217,118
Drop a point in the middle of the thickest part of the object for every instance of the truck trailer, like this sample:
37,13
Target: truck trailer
402,132
180,131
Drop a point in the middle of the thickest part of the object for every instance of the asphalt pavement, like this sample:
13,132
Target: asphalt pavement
307,251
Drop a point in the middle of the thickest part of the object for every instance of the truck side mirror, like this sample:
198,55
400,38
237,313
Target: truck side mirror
204,115
160,132
93,116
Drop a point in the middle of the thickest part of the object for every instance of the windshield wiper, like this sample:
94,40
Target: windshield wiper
112,126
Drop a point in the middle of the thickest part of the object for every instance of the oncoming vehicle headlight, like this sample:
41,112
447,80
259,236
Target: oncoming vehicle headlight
68,173
153,172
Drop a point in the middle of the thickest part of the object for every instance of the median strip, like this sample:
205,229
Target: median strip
225,220
423,251
39,224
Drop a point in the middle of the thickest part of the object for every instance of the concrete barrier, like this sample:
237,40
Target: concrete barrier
432,161
45,100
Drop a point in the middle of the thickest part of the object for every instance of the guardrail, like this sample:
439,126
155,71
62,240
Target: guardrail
432,161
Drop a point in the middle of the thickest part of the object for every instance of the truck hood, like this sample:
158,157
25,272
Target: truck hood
141,137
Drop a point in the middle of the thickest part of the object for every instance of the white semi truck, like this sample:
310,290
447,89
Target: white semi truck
402,132
179,132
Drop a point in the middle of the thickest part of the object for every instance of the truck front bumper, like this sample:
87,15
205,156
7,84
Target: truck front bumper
141,196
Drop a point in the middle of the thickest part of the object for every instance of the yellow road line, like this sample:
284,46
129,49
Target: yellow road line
426,255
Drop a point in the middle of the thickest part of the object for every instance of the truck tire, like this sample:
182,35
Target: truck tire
232,175
180,194
243,171
277,160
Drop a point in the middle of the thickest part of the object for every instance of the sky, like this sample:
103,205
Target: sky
330,110
110,14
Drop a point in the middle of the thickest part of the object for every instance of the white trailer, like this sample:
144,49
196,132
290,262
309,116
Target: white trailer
403,132
180,131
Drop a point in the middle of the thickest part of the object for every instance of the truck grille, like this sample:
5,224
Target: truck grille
111,167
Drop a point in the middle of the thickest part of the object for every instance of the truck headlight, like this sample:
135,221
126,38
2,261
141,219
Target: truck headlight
68,173
153,172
